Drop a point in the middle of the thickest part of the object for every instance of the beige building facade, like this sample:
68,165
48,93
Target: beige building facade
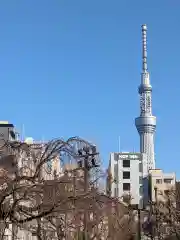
160,183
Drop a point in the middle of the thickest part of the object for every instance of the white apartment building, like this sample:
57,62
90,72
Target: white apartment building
127,171
160,182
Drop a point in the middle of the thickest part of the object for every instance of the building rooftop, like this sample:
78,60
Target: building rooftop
6,124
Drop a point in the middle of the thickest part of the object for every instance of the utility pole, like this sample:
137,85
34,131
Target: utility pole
156,213
83,163
89,162
86,186
151,214
13,224
139,222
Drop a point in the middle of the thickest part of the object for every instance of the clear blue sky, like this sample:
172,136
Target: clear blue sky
73,67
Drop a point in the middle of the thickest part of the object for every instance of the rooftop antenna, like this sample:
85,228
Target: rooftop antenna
119,144
17,135
43,141
23,133
144,48
134,150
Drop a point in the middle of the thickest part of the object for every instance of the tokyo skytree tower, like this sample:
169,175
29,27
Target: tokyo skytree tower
146,123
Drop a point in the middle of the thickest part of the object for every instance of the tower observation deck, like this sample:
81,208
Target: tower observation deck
146,122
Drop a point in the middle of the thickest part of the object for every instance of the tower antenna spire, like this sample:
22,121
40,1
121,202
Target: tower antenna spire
146,122
144,48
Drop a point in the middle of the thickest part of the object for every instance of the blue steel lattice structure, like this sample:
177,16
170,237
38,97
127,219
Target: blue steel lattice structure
146,122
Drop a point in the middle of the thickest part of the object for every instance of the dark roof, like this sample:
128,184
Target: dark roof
6,125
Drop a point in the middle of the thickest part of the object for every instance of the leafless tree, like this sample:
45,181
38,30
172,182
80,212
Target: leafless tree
89,217
25,195
163,220
58,203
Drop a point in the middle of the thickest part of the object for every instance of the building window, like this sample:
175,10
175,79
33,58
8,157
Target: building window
126,163
126,175
49,166
126,186
115,173
166,192
167,180
140,203
140,167
91,216
158,181
140,180
141,190
116,157
116,192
